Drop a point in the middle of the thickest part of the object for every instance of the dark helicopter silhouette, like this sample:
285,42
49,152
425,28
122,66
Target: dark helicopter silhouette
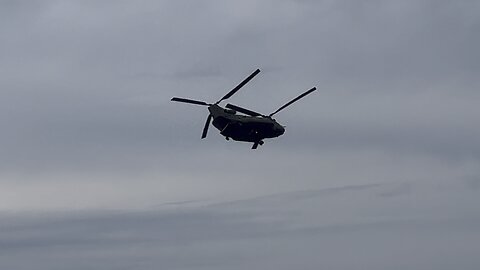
252,127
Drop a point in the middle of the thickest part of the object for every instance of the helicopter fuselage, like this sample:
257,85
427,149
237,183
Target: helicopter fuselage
244,128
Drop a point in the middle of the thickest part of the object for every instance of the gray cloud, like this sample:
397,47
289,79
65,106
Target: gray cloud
278,230
87,125
86,86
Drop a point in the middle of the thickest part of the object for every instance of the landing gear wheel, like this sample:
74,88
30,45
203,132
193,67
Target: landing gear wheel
255,144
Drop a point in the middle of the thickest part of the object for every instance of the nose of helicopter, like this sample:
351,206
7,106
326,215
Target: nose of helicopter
279,130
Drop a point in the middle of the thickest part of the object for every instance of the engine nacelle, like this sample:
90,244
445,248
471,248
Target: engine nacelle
230,111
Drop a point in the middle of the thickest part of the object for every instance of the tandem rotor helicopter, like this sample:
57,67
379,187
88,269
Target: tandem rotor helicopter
252,127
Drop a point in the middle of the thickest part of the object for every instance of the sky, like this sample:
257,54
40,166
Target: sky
379,168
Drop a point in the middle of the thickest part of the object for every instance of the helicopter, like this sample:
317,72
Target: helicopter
251,127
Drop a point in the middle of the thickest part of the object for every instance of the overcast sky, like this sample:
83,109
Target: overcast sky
379,168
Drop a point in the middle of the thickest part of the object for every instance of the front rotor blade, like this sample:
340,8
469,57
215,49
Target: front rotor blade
240,85
242,110
191,101
293,100
207,124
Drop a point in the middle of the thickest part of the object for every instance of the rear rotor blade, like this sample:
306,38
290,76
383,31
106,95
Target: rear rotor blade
240,85
242,110
207,124
293,100
191,101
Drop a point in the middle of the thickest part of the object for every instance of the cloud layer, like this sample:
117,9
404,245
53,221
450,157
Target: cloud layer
376,226
378,168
